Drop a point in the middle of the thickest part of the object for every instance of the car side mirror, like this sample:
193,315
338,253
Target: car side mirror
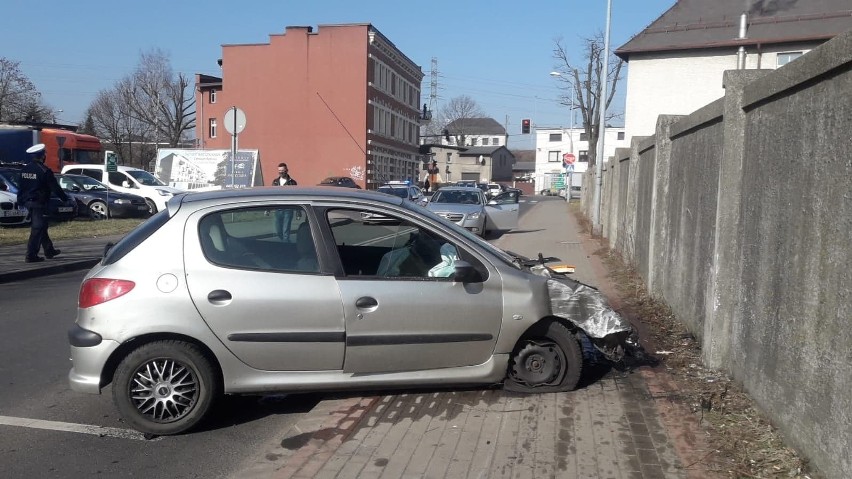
126,184
74,188
464,273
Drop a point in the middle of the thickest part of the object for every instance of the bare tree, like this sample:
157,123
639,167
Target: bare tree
19,98
582,86
454,116
160,99
114,123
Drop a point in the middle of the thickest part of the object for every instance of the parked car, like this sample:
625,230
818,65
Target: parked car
404,190
203,298
129,180
469,208
576,192
11,213
92,198
494,189
57,210
343,181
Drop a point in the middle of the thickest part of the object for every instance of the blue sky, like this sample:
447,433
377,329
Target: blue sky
498,52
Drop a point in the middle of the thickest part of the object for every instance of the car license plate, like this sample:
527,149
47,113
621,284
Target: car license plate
13,213
65,209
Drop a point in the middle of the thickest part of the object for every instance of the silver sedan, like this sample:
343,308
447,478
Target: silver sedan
469,208
365,290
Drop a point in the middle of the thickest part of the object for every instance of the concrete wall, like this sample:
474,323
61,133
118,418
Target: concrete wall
739,216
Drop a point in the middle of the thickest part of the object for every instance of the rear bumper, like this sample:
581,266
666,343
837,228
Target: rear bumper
88,364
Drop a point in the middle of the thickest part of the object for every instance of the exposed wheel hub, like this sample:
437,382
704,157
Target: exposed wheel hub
539,363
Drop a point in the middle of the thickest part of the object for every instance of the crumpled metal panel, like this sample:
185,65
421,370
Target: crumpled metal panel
589,310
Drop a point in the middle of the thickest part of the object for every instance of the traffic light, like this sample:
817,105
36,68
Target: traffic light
525,126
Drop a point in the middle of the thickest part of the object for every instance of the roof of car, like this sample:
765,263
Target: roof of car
458,188
307,192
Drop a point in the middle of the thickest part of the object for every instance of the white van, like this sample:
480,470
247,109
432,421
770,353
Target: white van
129,180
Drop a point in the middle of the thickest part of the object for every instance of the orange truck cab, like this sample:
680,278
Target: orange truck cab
62,145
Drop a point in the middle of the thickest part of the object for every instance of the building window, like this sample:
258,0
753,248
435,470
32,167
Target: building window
620,135
556,137
485,142
495,141
212,96
212,128
449,157
554,156
584,136
786,57
473,141
583,156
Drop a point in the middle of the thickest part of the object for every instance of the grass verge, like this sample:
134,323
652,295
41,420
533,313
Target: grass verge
79,228
746,444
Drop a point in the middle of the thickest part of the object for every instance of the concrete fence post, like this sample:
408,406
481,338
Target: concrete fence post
724,280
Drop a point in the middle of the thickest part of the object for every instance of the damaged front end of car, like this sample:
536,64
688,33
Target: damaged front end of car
586,308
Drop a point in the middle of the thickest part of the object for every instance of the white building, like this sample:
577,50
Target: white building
551,144
676,64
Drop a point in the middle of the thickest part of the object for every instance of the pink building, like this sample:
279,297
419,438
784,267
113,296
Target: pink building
338,101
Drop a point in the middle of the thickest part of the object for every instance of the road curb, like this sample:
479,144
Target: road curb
64,267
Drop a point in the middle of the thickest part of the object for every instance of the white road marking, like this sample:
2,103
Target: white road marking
72,427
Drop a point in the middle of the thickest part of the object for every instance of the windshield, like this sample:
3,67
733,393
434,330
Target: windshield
145,178
401,192
499,253
12,177
458,197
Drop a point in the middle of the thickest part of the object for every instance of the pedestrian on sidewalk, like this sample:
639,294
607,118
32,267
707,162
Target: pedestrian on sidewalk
37,183
283,217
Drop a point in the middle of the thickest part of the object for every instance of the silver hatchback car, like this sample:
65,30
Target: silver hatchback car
304,289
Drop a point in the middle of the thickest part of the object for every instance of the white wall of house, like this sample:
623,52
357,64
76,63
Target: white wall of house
678,83
552,143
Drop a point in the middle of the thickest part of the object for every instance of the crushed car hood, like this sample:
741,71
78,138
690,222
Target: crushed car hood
588,309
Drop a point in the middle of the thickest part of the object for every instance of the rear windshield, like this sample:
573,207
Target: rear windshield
135,237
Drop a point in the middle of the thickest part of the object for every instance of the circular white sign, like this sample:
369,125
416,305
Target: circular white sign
235,121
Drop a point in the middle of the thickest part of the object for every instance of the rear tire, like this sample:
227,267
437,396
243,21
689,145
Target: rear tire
165,387
547,359
98,210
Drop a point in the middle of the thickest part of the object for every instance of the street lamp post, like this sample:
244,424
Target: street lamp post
567,179
596,212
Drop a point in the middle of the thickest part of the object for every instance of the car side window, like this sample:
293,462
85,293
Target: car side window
377,245
278,238
117,178
96,174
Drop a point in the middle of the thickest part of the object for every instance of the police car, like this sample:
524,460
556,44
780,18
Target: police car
10,212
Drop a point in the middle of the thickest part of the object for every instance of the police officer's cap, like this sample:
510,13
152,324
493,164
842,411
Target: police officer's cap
36,149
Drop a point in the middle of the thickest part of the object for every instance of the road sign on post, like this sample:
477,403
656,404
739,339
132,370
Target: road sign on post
235,123
110,161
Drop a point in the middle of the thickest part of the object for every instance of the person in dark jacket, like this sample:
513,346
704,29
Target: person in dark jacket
37,183
284,218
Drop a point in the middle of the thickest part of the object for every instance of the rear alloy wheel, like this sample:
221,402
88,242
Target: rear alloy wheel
152,207
548,359
98,210
165,387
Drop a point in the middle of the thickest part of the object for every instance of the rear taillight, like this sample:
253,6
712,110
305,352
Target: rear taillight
100,290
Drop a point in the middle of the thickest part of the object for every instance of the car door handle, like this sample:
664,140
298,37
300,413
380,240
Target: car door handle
366,302
219,296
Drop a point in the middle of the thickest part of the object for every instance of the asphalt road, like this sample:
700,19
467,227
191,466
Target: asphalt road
34,362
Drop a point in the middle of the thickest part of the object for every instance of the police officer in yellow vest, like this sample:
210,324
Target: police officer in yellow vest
37,182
